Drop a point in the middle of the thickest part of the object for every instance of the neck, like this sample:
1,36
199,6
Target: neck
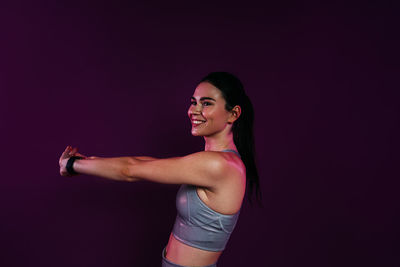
219,142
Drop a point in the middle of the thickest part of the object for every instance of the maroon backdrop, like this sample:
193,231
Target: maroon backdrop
115,79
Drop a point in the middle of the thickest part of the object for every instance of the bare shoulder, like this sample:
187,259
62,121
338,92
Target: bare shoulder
220,163
216,162
212,159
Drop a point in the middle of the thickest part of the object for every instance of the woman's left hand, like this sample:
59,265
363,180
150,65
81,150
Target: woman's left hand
65,156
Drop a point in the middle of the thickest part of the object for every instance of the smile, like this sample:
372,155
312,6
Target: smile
197,122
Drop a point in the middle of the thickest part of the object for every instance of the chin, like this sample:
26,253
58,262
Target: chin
202,133
198,133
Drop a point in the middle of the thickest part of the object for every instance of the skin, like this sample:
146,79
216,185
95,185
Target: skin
220,177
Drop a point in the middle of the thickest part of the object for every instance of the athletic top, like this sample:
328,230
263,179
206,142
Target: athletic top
198,225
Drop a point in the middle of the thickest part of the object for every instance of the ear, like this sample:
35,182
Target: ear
234,114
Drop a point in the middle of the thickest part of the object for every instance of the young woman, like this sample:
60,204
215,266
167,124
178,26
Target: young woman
213,181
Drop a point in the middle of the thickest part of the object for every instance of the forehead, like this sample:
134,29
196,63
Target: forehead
206,89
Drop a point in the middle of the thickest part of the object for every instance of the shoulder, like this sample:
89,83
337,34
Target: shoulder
218,163
212,160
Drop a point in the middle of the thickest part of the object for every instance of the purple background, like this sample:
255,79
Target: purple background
115,79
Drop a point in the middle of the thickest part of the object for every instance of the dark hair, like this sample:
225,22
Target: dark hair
233,92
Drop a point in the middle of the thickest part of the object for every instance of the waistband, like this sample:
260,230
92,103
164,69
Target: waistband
167,263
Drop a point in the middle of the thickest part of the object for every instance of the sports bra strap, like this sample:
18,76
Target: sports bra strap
231,150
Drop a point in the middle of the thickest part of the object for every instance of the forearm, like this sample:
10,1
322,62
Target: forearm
144,158
110,168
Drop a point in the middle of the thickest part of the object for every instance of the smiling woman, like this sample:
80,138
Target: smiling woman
213,182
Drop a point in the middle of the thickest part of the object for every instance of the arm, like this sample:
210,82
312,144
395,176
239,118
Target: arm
145,158
204,168
140,157
111,168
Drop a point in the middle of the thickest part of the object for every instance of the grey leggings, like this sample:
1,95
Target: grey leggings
167,263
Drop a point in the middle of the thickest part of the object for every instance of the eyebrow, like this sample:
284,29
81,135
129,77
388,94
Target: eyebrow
204,98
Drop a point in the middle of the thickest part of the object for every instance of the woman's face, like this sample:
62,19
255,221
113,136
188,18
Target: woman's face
207,111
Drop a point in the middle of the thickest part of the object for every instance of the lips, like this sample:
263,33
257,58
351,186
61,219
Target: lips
196,123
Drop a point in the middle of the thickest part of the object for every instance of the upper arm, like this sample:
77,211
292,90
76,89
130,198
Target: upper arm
202,169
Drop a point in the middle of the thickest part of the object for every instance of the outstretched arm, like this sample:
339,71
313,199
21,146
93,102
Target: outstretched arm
111,168
206,168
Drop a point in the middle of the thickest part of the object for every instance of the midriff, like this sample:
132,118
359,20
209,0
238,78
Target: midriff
182,254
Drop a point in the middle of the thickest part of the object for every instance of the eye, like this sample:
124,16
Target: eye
192,103
206,104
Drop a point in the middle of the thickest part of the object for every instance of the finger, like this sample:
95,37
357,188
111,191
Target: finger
73,151
64,154
69,149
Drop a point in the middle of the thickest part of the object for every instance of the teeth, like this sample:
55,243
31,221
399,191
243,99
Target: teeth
197,122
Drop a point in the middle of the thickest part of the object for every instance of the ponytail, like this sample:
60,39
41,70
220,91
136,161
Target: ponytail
243,136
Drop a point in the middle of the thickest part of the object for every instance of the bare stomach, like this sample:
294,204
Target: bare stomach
182,254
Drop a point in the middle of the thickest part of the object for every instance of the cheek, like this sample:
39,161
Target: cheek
217,117
212,113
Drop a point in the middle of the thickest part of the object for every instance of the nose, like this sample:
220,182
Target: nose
195,109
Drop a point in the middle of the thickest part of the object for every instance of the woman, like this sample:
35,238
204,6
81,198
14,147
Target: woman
213,181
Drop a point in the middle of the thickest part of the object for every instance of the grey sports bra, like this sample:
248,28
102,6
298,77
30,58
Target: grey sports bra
198,225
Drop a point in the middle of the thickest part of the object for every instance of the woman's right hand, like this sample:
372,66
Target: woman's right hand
66,155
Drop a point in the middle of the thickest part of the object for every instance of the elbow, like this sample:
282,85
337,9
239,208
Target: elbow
127,173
